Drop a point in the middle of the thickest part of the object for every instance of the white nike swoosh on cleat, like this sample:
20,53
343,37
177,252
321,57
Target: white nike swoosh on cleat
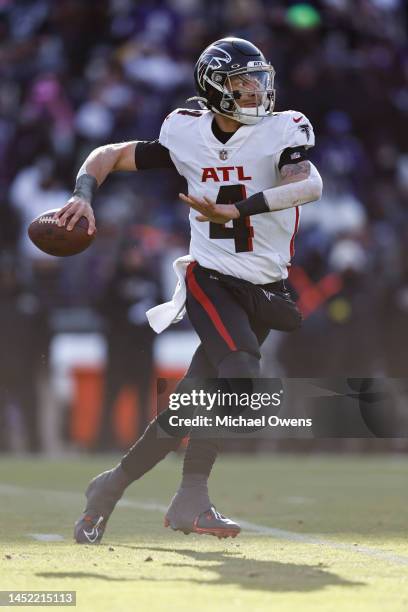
92,535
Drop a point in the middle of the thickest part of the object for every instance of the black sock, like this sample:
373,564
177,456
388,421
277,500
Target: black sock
151,448
199,460
202,453
158,440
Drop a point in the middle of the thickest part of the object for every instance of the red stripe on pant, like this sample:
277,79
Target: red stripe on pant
208,306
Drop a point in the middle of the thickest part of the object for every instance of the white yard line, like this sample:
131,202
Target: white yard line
280,534
46,537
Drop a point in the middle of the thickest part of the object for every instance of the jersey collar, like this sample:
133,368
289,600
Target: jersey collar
232,145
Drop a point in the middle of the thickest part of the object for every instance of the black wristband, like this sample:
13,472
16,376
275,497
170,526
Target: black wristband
254,205
86,187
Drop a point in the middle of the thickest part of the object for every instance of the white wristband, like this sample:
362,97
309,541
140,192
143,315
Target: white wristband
295,194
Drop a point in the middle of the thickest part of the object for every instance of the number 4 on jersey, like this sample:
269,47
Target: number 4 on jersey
241,231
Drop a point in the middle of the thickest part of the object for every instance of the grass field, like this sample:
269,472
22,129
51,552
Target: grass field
322,533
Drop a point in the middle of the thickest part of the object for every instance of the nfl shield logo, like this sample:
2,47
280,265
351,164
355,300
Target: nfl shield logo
223,154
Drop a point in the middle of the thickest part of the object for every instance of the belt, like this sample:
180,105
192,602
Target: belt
276,286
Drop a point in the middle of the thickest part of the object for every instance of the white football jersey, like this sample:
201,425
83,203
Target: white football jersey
257,248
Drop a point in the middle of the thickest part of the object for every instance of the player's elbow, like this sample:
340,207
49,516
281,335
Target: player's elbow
317,189
315,185
124,156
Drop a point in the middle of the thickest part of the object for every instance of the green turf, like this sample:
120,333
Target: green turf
357,502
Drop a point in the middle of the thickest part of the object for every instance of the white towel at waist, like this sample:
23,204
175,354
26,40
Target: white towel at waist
163,315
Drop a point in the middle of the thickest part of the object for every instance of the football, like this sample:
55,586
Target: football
54,240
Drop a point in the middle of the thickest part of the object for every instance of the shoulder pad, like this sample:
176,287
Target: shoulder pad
185,112
297,129
178,121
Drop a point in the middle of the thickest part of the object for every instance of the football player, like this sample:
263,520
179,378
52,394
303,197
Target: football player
248,174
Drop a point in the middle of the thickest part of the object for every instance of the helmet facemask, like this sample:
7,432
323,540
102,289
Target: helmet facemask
245,94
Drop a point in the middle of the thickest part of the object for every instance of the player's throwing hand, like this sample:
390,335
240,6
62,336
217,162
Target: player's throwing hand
74,209
210,211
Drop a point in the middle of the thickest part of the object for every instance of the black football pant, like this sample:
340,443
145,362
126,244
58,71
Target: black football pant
232,318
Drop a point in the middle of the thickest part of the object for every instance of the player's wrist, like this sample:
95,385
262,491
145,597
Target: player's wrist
235,212
254,205
85,187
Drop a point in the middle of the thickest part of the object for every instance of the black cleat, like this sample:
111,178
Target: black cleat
209,522
102,494
89,529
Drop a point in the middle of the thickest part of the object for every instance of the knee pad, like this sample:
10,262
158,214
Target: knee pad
239,364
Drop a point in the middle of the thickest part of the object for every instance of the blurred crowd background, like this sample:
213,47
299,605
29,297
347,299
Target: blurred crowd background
76,75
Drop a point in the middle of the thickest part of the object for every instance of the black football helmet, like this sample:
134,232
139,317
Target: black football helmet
231,70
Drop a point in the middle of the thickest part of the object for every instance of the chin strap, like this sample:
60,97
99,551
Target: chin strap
248,119
250,116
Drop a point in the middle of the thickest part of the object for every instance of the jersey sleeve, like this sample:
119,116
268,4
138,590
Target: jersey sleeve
164,136
167,137
169,129
178,119
152,154
292,155
299,131
175,135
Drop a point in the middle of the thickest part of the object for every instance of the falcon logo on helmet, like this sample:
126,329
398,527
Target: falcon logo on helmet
234,79
211,59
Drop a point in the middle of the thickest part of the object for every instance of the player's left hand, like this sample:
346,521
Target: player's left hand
210,211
